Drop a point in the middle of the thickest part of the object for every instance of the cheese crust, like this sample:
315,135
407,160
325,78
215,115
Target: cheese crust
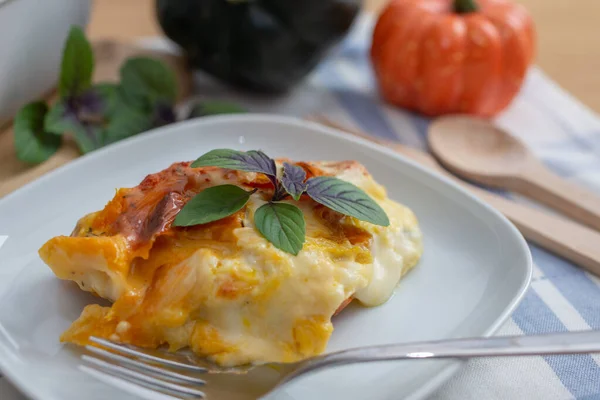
222,289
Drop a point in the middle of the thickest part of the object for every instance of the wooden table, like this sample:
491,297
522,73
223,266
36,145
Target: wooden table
568,52
568,35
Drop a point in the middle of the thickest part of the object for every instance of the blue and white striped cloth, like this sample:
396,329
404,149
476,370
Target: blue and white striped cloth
561,132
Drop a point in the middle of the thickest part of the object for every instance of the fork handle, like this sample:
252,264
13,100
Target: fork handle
535,345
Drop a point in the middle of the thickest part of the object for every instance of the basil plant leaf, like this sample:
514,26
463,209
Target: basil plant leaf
281,224
94,105
77,64
61,119
346,198
212,204
214,107
126,122
89,137
104,98
147,78
293,180
250,161
57,118
140,102
32,143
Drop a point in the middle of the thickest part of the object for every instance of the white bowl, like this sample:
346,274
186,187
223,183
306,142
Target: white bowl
32,34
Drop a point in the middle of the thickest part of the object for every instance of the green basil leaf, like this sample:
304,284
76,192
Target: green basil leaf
283,225
293,180
107,94
77,64
346,198
214,107
32,143
88,137
125,122
57,119
212,204
146,79
250,161
61,120
139,102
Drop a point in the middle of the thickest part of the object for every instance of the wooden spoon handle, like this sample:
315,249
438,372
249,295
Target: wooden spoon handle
568,239
566,197
559,235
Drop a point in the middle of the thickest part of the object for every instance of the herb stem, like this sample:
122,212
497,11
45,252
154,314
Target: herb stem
280,193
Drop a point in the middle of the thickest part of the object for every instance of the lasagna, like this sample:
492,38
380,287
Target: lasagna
221,288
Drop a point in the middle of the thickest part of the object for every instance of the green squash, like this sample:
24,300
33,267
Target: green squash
262,45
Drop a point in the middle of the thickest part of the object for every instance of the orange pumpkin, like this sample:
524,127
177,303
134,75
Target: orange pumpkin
452,56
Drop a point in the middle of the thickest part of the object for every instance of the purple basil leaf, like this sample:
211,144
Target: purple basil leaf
293,180
88,102
346,198
250,161
99,100
91,107
62,119
164,114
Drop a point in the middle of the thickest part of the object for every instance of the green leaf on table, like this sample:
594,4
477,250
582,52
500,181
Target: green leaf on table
32,143
93,106
61,120
212,204
281,224
125,122
57,118
346,198
214,107
89,137
107,95
77,64
146,80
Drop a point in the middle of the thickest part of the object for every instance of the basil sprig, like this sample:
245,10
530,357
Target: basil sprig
281,223
96,115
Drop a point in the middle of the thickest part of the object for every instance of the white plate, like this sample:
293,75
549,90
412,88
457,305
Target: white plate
475,269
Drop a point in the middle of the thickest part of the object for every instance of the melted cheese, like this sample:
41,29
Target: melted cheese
221,288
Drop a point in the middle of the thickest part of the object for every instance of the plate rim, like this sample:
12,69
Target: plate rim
435,381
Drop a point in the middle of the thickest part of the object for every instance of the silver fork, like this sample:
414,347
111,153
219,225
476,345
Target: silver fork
178,375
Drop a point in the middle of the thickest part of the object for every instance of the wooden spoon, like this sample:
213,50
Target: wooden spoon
478,151
560,235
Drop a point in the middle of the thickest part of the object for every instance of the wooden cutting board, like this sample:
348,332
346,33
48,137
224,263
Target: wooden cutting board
109,56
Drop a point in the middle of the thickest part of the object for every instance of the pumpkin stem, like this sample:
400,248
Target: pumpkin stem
465,6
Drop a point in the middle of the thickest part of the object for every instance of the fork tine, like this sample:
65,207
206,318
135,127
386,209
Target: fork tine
121,348
141,379
152,369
